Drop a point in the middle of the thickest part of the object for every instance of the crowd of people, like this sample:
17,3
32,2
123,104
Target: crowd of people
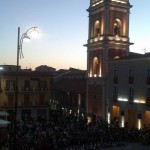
70,134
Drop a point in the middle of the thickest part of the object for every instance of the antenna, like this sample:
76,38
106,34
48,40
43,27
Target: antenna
144,50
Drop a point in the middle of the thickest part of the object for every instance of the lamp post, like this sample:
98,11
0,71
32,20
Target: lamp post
19,55
1,68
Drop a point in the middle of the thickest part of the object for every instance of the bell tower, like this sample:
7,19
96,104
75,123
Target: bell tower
108,39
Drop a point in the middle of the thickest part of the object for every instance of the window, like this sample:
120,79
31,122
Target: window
25,114
83,102
148,95
26,85
117,27
148,77
95,66
10,85
115,93
131,78
42,85
41,114
42,99
130,73
97,29
97,32
26,99
116,57
131,94
10,100
115,77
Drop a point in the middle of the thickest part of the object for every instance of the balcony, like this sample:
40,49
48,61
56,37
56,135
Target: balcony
28,103
33,89
10,89
43,89
41,103
8,104
109,38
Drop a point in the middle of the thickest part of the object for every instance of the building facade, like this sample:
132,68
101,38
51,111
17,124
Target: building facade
129,90
69,91
33,93
118,80
44,93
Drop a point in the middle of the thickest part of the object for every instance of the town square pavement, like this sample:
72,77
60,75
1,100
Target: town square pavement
130,146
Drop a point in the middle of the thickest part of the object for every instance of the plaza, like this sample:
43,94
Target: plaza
131,146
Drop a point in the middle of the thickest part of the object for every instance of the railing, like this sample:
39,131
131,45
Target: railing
10,89
109,38
96,2
6,104
36,103
27,89
41,103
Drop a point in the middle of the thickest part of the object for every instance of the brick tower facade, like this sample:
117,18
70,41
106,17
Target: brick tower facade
108,39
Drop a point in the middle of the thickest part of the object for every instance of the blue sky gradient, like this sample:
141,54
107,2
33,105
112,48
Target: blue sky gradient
63,25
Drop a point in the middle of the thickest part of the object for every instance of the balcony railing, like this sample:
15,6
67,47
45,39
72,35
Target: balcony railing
27,89
41,103
6,104
26,104
10,89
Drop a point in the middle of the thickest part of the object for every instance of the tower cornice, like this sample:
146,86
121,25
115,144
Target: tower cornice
100,5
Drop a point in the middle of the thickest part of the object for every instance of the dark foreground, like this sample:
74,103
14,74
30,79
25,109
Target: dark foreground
130,146
71,134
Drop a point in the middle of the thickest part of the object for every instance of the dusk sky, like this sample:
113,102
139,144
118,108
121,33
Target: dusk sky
63,25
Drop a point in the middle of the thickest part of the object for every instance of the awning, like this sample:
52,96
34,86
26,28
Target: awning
4,123
4,113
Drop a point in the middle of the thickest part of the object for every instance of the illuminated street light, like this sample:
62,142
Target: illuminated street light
20,55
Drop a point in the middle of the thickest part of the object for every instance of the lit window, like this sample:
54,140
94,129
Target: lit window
95,66
97,29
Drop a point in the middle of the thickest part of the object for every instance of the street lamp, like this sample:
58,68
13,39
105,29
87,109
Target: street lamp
20,55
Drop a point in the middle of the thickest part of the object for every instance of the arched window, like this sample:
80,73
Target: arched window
117,27
97,29
95,66
116,57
